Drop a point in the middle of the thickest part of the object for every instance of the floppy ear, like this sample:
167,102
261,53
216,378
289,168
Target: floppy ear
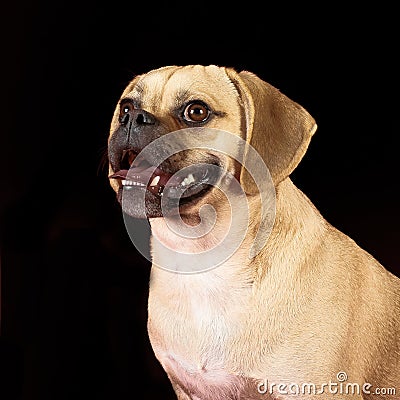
279,129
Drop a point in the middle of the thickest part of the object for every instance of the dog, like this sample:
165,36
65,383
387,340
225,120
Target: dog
310,314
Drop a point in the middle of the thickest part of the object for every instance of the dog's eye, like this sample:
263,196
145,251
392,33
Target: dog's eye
126,108
196,112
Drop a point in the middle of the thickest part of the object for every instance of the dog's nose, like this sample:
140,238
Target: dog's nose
137,117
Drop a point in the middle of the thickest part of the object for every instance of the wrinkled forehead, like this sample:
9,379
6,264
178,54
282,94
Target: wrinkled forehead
175,85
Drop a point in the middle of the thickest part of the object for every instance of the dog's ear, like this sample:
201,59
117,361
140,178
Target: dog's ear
278,128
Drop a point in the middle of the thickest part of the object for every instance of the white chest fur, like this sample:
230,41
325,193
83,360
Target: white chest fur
193,319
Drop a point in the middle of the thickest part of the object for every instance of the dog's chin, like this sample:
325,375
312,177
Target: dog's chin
139,203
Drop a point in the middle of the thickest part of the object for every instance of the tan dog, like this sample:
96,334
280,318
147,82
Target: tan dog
312,315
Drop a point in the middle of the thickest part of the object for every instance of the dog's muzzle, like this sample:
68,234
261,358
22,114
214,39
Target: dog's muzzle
137,172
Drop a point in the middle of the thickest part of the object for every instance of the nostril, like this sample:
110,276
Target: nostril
144,118
124,119
140,119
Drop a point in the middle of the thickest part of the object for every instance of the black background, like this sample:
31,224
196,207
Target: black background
74,289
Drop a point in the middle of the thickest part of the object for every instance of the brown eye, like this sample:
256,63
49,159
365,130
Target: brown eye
126,108
196,112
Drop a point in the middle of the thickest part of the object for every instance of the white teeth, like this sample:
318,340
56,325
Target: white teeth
188,180
155,181
131,183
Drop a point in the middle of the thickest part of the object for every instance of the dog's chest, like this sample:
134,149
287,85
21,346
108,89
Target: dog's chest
192,321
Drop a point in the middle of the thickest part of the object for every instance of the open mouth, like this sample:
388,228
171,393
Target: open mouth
136,172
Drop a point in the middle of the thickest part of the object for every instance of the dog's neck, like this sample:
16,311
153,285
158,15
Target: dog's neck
297,225
168,245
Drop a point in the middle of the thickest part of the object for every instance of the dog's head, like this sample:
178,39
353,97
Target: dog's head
173,98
